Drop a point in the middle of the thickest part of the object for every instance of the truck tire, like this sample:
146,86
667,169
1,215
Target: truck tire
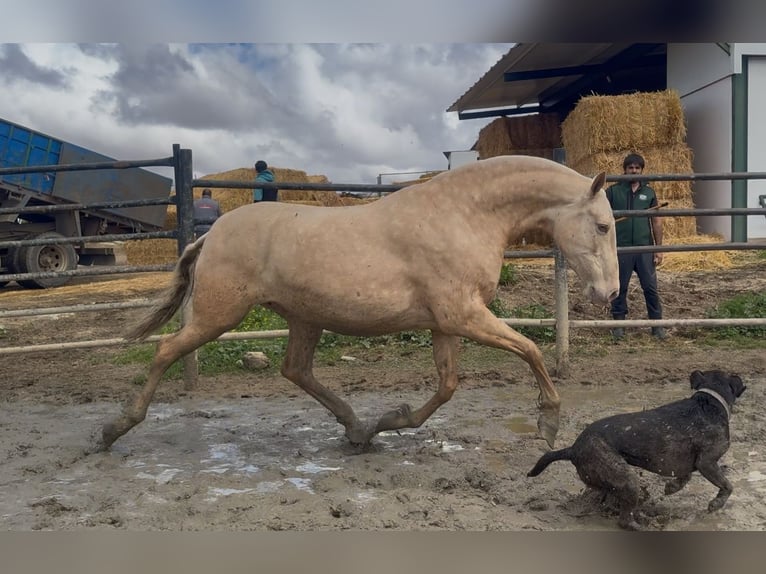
12,263
41,258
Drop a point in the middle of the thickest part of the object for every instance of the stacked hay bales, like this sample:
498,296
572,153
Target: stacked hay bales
602,130
161,251
536,135
233,198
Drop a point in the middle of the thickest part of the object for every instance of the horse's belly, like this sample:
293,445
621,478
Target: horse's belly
358,316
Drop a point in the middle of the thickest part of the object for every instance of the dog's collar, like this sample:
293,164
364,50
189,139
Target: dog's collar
719,398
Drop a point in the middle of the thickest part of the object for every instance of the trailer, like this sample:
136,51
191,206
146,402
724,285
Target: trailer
22,147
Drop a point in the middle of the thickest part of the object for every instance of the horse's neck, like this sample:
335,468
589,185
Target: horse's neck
520,204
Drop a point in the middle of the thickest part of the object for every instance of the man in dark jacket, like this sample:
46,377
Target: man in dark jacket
263,173
206,211
636,231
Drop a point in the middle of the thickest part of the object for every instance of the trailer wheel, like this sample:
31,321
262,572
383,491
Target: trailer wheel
12,263
46,258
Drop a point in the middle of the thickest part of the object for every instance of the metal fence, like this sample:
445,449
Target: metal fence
181,161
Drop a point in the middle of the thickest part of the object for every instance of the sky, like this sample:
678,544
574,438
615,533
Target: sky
349,111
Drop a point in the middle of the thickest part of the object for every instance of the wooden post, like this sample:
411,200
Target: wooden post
562,315
185,215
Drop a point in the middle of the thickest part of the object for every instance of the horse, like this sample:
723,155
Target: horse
427,257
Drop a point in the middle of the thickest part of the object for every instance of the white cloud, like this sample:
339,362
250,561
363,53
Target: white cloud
349,111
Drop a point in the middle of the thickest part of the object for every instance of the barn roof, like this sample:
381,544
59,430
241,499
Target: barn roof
540,77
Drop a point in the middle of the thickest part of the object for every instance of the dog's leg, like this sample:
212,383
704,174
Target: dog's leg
674,485
600,467
709,468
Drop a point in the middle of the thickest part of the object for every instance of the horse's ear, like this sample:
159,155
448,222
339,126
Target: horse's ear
598,183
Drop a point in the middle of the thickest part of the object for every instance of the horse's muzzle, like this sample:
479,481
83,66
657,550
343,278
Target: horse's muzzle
599,296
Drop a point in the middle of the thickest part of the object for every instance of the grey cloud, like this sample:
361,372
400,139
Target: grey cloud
16,66
346,111
153,85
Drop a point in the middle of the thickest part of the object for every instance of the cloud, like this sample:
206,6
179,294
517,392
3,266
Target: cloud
17,67
349,111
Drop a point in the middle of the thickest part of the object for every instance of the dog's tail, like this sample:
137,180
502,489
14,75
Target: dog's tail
549,457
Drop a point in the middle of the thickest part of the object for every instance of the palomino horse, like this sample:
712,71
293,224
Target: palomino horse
426,257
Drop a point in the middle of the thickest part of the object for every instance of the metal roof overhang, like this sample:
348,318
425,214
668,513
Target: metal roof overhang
535,78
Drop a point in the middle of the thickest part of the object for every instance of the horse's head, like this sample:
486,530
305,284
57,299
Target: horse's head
585,232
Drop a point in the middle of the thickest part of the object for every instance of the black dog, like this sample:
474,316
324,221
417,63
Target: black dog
673,440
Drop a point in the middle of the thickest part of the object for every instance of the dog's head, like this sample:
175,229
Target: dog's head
728,385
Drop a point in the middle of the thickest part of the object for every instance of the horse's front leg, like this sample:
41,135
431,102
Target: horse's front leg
445,356
298,368
483,327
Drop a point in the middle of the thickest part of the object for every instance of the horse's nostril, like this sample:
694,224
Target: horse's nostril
613,294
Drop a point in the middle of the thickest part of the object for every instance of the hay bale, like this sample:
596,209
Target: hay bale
630,121
151,251
232,198
518,134
698,260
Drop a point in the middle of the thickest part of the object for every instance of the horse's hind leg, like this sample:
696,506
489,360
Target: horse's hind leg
483,327
297,367
204,326
445,357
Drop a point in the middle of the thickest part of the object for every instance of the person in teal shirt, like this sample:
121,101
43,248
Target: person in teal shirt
636,231
264,174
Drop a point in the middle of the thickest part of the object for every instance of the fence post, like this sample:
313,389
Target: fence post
184,175
561,297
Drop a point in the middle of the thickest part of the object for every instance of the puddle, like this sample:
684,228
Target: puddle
521,425
215,493
268,487
446,446
301,484
311,468
162,478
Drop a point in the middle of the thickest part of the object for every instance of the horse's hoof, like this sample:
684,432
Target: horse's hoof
548,426
109,434
358,436
403,410
631,525
395,419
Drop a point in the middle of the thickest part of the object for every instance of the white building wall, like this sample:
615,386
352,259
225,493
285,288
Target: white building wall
756,141
701,73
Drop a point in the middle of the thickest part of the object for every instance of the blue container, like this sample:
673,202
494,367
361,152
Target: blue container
21,146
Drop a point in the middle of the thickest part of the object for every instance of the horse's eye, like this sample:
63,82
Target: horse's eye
602,228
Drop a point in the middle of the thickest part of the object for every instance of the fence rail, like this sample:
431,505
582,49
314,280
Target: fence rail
181,161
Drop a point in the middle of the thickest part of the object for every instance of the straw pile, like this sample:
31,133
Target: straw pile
233,198
535,135
698,260
618,123
160,251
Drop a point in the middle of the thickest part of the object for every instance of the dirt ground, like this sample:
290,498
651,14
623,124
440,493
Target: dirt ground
248,451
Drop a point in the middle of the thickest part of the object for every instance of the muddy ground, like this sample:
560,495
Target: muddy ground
248,451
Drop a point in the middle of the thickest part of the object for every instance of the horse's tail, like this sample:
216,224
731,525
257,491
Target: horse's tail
173,298
549,457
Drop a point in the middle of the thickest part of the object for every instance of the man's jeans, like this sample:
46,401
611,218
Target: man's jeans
643,265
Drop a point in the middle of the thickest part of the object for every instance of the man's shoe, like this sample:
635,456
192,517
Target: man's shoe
618,333
660,333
